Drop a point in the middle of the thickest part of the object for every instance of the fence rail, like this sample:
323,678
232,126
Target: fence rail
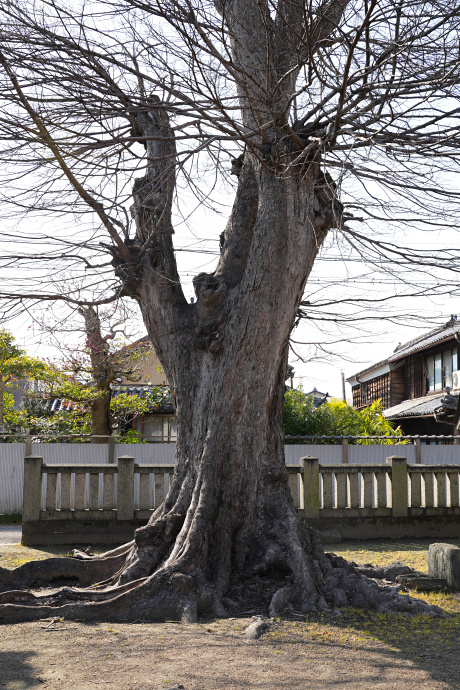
118,494
12,458
395,489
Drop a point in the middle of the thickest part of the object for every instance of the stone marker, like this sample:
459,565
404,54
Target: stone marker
444,562
257,628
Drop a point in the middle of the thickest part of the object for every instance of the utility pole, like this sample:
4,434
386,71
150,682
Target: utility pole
343,387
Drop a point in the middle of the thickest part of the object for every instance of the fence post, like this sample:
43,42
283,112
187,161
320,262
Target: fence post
310,487
418,451
125,489
345,451
398,485
111,449
28,448
32,488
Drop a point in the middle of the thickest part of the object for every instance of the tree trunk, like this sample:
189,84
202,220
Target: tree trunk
102,375
101,422
227,535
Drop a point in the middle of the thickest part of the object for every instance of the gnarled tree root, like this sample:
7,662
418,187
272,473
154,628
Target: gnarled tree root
40,573
173,595
151,581
340,585
164,595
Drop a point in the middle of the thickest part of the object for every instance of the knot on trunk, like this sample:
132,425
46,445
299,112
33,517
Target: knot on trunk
210,292
209,336
130,273
328,210
237,165
147,193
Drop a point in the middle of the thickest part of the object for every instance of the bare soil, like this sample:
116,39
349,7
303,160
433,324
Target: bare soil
352,650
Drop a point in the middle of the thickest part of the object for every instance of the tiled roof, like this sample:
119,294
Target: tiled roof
426,340
165,407
422,342
417,407
369,368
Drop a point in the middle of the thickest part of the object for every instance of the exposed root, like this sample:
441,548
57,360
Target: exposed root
119,551
337,584
40,573
165,595
173,570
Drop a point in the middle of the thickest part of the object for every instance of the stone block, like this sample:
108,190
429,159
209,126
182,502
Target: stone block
424,584
444,562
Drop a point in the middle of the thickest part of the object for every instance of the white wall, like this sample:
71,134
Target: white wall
377,455
11,476
328,455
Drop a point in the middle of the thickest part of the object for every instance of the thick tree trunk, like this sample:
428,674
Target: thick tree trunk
227,532
227,536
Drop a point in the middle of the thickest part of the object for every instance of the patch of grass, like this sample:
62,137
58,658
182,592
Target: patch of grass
413,553
415,636
10,519
12,556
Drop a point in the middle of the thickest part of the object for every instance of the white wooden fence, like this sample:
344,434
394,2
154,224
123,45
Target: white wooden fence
12,459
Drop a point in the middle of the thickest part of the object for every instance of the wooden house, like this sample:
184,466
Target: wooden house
418,383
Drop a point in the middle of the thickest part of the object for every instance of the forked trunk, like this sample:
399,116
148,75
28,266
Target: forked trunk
230,501
227,535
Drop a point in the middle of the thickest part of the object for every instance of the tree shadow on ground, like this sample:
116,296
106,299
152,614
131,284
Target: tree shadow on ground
17,672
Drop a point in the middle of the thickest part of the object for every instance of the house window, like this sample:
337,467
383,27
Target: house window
439,369
159,429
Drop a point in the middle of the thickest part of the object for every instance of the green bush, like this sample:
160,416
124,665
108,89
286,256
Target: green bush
336,418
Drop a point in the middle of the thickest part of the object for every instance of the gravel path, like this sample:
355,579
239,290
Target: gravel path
10,534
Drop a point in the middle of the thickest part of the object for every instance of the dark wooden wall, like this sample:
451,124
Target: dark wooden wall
376,389
397,386
414,376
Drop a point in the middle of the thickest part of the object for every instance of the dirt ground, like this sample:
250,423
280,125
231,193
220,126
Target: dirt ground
355,650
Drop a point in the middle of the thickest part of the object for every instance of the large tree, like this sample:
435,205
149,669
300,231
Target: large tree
304,95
